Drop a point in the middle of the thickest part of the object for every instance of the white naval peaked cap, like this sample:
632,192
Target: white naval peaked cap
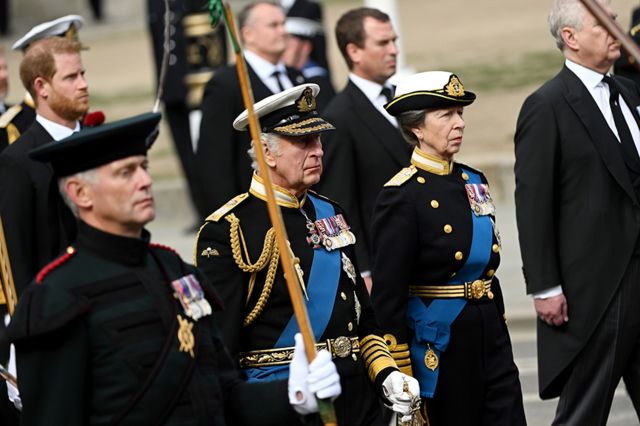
57,27
302,27
292,112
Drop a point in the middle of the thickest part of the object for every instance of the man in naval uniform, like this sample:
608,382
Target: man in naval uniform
236,250
119,330
17,119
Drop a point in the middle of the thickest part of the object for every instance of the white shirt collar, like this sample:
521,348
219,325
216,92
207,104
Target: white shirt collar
57,131
262,67
371,89
589,77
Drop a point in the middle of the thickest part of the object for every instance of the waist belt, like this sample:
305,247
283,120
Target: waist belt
471,290
341,347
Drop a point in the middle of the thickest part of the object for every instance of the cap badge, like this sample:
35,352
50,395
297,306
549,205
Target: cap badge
454,87
306,102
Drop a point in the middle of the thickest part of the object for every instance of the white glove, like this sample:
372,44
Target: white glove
400,390
320,378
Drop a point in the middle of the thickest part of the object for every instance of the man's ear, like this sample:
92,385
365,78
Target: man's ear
569,38
41,87
79,192
354,53
269,157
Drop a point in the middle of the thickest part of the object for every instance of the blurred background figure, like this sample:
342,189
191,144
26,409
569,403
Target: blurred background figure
4,17
4,80
311,10
195,50
626,65
96,9
299,54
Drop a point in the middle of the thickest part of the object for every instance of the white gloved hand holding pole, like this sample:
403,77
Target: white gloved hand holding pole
400,390
306,381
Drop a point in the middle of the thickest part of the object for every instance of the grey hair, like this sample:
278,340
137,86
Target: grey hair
566,13
408,120
271,140
89,176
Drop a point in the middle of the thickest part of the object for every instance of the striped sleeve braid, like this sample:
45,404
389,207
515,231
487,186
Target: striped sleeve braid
400,353
375,355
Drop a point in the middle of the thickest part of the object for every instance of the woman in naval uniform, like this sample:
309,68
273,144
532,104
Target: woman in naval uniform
436,252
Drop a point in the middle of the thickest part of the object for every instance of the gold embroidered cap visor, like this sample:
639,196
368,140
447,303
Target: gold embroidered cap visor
431,89
292,112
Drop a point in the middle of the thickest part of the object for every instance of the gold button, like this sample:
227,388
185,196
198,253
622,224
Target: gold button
495,248
453,275
420,179
435,204
344,296
490,273
350,326
459,255
447,229
465,176
354,357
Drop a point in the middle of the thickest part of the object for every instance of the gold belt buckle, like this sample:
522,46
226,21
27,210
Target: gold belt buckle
340,347
476,290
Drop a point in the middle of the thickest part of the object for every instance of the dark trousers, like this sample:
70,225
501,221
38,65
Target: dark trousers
478,382
612,353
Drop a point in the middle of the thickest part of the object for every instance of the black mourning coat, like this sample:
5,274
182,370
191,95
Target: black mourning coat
577,212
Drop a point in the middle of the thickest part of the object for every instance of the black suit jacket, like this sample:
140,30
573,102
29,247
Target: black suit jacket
37,223
577,212
360,156
222,162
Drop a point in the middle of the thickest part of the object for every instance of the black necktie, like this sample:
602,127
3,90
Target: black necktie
276,74
386,92
629,150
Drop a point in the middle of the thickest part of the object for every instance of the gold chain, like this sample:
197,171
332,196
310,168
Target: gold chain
270,254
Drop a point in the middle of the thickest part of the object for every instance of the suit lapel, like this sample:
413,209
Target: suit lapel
386,133
260,90
605,142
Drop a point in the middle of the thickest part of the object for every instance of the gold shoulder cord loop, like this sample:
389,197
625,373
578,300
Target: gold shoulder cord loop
270,255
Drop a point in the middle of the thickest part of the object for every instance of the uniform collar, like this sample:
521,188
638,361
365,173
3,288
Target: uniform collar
57,131
429,163
125,250
284,198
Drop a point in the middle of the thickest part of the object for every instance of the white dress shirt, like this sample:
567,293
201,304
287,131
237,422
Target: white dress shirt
373,92
265,69
57,131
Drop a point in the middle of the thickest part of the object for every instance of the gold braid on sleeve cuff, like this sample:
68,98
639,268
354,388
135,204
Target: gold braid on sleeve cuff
400,353
375,354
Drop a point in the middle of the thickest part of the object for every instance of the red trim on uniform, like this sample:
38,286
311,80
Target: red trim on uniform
162,247
54,264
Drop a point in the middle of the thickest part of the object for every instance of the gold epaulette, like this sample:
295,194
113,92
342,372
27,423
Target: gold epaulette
400,353
9,115
229,205
634,30
402,176
375,355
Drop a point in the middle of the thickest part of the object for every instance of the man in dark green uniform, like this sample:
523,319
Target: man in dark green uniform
121,331
237,252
